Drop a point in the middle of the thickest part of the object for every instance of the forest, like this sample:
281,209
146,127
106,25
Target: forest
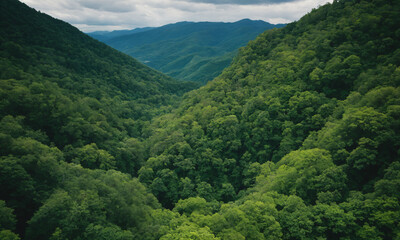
297,139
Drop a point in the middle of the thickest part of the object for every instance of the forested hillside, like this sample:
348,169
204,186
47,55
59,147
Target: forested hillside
66,98
301,132
297,139
193,51
73,89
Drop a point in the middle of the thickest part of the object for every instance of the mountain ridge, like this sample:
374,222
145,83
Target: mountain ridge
105,35
194,51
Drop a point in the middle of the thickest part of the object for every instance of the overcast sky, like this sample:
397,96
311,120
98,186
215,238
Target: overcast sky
94,15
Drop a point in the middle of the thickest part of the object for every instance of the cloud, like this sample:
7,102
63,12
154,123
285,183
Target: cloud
93,15
244,2
109,6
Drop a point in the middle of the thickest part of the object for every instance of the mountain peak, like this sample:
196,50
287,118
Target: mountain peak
246,20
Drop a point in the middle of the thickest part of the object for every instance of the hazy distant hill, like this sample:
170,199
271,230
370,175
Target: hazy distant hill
187,50
106,35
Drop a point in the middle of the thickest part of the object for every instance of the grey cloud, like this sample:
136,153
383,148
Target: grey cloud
93,15
110,6
243,2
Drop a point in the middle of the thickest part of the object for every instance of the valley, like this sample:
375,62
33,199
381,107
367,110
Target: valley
297,138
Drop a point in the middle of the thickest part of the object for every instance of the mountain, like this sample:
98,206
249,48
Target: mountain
67,99
193,51
299,137
106,35
42,67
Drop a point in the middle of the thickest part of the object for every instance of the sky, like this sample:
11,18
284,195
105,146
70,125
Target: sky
108,15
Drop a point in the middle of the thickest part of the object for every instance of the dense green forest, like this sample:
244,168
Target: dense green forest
192,51
297,139
67,100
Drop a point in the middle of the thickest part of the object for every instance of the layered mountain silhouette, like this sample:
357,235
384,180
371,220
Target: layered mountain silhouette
193,51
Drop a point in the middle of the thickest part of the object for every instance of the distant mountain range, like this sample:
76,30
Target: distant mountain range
106,35
195,51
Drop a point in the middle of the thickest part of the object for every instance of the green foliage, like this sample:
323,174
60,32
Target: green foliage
299,172
113,232
8,235
93,203
7,218
90,156
189,231
190,205
390,184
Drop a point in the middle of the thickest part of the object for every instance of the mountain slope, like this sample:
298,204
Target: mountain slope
40,59
66,98
300,133
187,50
